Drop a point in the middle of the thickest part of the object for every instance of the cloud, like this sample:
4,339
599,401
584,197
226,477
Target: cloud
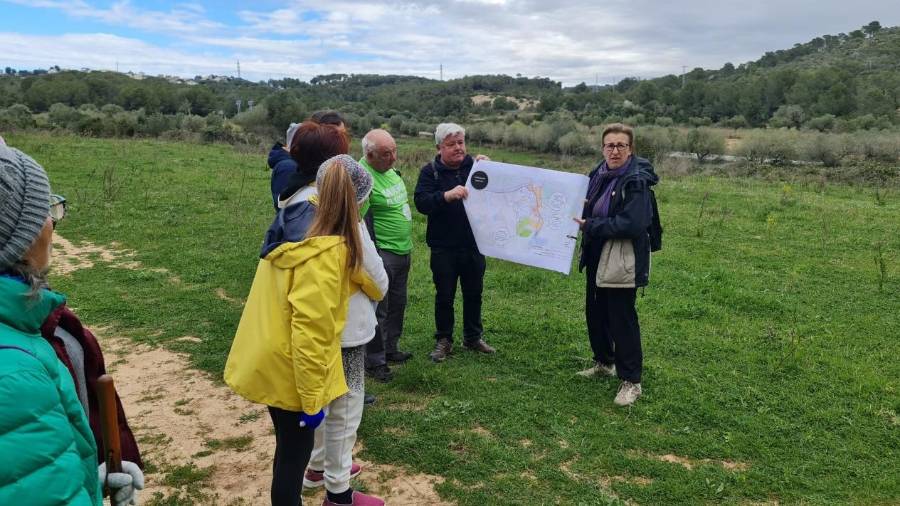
81,50
182,19
568,40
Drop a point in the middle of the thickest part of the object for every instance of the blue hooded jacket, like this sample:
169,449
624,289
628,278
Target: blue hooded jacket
283,166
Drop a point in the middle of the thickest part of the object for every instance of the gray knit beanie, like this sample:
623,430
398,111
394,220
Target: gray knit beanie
361,178
24,204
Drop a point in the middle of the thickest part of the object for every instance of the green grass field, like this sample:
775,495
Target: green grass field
771,333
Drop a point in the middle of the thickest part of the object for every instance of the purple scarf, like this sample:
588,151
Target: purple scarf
604,179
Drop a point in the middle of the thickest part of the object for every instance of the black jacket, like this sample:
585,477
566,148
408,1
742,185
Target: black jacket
448,226
630,215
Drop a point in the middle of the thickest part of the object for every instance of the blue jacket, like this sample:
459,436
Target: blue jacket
283,166
290,223
46,445
448,225
630,215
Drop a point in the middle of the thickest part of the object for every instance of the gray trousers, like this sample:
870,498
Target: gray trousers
390,310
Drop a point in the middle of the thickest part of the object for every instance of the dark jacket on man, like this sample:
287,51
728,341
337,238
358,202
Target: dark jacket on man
448,225
630,216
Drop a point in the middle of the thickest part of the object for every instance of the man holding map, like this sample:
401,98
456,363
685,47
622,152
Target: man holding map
439,195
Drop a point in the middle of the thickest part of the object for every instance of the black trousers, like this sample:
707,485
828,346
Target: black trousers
390,311
293,446
448,266
613,329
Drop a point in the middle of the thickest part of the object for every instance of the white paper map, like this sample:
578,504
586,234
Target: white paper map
524,214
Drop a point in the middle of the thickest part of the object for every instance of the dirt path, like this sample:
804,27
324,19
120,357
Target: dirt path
202,443
193,430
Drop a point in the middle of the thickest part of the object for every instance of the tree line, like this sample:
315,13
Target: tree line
833,83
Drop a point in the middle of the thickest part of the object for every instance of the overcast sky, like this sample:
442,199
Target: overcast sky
566,40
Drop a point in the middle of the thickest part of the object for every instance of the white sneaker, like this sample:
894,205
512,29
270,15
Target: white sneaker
598,369
628,393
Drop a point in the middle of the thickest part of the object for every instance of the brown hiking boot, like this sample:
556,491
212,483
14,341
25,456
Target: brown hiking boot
479,346
442,349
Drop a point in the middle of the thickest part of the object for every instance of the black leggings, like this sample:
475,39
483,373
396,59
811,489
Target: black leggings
293,446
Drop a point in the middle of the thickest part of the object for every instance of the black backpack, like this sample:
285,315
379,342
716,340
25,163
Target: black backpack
655,229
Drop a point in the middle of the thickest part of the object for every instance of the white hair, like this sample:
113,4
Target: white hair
368,145
445,130
290,135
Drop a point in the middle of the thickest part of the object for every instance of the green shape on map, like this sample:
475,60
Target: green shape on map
523,228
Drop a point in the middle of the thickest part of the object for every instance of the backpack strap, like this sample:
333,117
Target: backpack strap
434,171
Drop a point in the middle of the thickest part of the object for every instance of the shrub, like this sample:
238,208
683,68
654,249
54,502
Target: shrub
698,122
255,121
503,104
787,116
110,109
155,124
738,121
517,134
703,142
16,116
125,123
90,124
636,119
821,148
193,124
879,147
823,123
774,147
545,138
653,143
664,121
476,132
575,143
63,116
396,122
495,132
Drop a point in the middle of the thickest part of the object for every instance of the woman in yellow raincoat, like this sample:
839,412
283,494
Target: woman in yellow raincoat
287,350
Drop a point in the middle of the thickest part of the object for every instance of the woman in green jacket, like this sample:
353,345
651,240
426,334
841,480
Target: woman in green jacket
48,451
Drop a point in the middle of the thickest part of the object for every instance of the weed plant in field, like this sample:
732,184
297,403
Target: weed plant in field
770,335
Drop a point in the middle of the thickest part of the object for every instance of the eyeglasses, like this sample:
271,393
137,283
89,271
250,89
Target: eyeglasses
612,147
57,208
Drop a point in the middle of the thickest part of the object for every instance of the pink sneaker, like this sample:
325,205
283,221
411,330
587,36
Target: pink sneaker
316,479
359,499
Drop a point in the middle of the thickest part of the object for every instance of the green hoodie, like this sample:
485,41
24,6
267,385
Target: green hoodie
46,446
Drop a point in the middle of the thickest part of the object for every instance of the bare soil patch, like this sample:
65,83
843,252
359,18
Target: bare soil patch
181,418
690,464
521,103
69,257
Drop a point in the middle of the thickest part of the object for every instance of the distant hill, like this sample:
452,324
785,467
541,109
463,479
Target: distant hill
853,76
842,82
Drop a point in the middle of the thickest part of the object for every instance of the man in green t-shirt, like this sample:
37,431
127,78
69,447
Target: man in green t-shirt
389,220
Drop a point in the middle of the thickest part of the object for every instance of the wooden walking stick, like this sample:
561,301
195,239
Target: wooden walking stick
109,427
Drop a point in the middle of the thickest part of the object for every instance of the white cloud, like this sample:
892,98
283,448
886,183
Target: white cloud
567,40
183,19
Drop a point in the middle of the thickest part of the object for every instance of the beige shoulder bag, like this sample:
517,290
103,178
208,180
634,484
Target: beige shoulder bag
616,266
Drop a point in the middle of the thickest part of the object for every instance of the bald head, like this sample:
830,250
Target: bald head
379,149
